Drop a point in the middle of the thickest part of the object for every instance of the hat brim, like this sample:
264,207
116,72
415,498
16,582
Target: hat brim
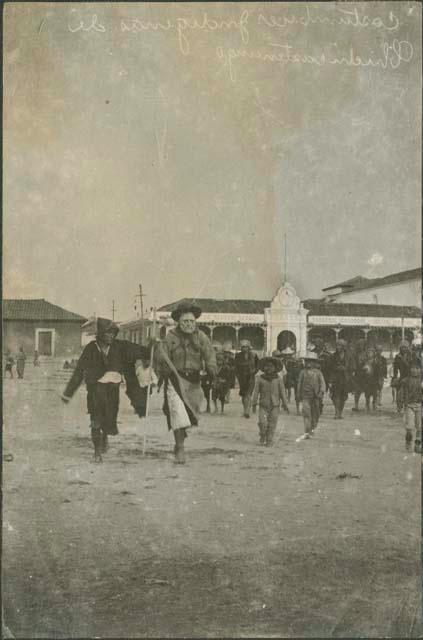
191,308
274,361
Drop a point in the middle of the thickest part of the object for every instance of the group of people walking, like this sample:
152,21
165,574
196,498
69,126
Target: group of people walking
189,367
19,360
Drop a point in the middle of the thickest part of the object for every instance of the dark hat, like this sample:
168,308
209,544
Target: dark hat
104,325
275,361
185,307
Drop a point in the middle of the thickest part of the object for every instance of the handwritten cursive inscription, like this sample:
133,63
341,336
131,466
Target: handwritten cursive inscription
182,26
392,55
348,17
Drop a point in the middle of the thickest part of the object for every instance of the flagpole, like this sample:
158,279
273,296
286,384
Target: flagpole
150,374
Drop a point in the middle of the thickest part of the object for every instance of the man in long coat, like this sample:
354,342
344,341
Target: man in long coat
180,358
341,367
102,364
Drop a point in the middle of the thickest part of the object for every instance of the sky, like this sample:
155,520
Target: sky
168,145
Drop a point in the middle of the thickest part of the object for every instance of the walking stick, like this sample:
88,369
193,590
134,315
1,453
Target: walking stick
150,370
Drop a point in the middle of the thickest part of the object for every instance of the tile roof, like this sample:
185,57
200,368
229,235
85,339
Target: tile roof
359,282
212,305
39,310
316,307
322,308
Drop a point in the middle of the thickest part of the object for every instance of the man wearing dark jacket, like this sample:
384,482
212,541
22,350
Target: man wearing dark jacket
101,366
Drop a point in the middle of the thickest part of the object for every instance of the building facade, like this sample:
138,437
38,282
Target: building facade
287,321
403,288
38,325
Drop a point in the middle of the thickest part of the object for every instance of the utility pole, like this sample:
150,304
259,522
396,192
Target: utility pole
284,259
113,310
140,295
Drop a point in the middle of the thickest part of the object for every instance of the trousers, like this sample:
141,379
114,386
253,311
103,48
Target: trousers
311,413
413,419
267,422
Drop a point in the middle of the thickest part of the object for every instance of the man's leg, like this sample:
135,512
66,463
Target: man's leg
179,435
97,440
262,424
409,425
272,422
315,413
307,416
246,401
357,395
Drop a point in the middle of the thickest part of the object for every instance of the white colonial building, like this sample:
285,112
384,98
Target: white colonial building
286,320
403,288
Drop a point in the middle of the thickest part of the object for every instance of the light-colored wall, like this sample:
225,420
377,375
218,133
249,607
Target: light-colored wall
403,293
67,341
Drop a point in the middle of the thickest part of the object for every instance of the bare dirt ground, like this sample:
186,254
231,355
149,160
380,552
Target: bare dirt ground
243,541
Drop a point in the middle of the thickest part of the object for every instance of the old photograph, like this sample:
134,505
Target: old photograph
212,389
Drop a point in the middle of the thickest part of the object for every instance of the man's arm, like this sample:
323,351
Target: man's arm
77,376
256,392
209,355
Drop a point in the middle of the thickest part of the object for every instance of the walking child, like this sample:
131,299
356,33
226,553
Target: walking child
311,389
269,394
411,388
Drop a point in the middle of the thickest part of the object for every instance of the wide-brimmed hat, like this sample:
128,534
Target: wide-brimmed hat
270,360
186,307
404,343
104,325
245,343
276,354
287,351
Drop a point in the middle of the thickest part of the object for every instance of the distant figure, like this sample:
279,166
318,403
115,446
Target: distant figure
36,359
341,367
20,363
383,372
66,365
269,394
9,364
401,370
221,383
411,388
311,389
246,367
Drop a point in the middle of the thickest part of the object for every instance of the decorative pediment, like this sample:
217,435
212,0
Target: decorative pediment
286,299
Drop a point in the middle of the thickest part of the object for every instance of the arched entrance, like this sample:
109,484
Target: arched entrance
205,329
225,335
286,339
